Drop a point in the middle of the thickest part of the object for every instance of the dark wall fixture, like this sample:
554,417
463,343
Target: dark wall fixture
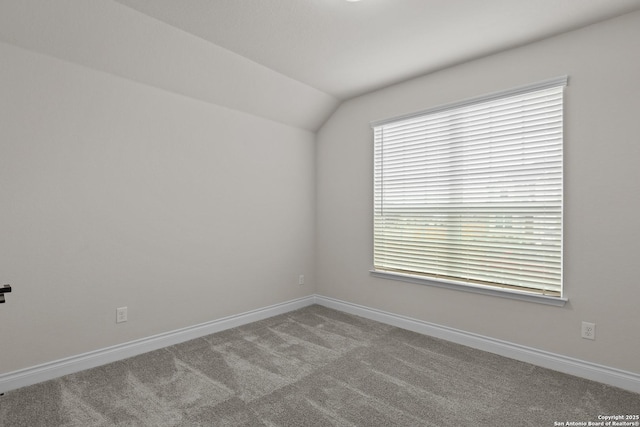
3,290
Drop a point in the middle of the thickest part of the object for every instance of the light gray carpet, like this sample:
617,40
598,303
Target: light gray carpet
314,367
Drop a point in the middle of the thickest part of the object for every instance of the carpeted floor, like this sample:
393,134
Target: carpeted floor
315,367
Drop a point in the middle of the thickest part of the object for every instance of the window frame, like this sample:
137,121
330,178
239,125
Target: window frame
485,289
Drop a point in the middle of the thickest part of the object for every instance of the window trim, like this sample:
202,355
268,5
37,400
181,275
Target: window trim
472,288
461,285
545,84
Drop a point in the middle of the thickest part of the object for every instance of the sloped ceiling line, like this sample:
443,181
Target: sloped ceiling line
290,61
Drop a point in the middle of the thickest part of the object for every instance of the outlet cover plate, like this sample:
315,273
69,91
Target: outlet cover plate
121,314
588,330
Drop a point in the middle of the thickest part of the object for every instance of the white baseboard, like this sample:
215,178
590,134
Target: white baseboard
69,365
580,368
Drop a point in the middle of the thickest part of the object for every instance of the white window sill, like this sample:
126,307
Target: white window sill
483,290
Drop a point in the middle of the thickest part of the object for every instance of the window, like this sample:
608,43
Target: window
471,193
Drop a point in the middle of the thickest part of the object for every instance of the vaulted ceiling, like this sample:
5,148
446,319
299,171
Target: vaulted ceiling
292,61
347,48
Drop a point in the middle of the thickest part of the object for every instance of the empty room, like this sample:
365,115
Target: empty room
319,213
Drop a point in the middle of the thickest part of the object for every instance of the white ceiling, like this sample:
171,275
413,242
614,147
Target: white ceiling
289,61
348,48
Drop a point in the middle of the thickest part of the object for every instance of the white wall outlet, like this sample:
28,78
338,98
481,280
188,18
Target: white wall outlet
121,314
301,279
589,330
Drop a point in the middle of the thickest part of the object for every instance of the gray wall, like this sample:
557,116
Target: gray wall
602,197
114,193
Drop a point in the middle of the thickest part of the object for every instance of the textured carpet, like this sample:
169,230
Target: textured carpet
315,367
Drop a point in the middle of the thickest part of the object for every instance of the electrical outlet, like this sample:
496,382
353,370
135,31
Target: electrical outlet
121,314
589,330
301,279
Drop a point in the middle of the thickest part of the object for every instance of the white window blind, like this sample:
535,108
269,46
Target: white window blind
472,192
